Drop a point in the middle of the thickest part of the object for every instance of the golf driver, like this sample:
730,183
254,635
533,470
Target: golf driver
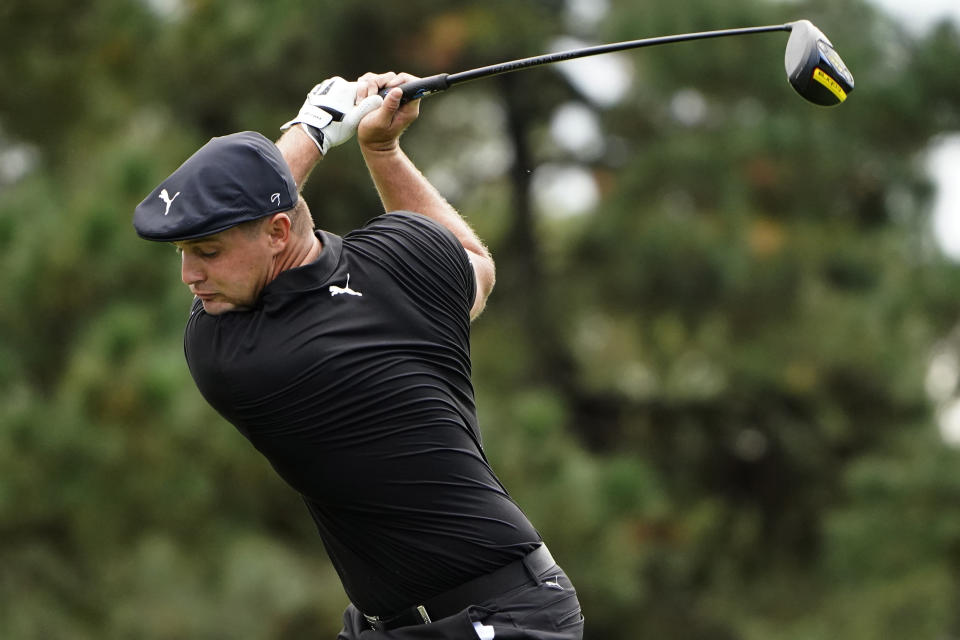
813,66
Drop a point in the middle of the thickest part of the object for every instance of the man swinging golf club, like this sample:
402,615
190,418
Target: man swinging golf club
345,361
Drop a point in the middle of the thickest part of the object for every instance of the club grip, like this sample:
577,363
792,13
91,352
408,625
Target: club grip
416,89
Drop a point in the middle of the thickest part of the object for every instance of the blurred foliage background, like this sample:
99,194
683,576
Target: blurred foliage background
714,383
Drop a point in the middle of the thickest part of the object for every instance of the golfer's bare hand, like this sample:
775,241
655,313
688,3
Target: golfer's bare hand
381,129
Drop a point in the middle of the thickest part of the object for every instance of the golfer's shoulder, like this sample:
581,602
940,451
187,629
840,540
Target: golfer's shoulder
408,228
411,245
404,220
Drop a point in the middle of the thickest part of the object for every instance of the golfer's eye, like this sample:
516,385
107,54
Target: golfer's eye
201,253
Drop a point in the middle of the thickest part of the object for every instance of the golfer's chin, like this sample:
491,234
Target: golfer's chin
215,305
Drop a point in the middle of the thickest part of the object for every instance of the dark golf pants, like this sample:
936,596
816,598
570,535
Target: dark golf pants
546,608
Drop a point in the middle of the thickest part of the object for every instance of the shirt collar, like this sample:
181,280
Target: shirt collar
309,276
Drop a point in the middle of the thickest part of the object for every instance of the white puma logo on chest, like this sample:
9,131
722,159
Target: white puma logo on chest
337,291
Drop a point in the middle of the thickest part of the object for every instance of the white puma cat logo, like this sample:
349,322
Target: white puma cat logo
166,198
336,291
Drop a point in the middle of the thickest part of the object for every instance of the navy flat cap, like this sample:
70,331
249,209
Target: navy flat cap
229,180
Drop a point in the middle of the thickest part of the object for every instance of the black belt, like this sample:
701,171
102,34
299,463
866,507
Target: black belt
515,574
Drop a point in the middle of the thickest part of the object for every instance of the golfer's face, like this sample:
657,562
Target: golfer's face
226,271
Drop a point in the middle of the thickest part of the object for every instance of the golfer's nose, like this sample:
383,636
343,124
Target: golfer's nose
190,271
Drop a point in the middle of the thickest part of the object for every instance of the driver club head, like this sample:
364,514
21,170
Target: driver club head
813,66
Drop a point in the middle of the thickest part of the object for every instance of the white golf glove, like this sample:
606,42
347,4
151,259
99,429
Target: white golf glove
329,115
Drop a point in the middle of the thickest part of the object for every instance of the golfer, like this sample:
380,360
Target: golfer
345,361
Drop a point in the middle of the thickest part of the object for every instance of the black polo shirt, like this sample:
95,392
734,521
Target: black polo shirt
352,376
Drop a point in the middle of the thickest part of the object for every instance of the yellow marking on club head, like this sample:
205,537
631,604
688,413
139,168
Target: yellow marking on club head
829,83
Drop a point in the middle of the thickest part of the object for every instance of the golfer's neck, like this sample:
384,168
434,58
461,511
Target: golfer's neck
299,253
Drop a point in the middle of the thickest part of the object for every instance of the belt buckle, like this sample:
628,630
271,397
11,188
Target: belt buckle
380,624
422,611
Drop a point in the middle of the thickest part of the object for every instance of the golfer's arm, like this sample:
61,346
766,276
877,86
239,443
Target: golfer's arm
402,187
300,152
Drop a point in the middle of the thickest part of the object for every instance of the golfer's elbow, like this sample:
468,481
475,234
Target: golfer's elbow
485,273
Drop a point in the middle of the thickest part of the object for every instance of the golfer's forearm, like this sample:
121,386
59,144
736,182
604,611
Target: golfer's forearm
300,152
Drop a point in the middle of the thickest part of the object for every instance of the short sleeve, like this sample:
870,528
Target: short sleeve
423,256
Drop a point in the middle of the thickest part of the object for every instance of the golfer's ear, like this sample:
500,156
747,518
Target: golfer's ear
278,229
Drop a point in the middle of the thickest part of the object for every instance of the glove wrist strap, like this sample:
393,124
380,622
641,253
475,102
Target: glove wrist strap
315,134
